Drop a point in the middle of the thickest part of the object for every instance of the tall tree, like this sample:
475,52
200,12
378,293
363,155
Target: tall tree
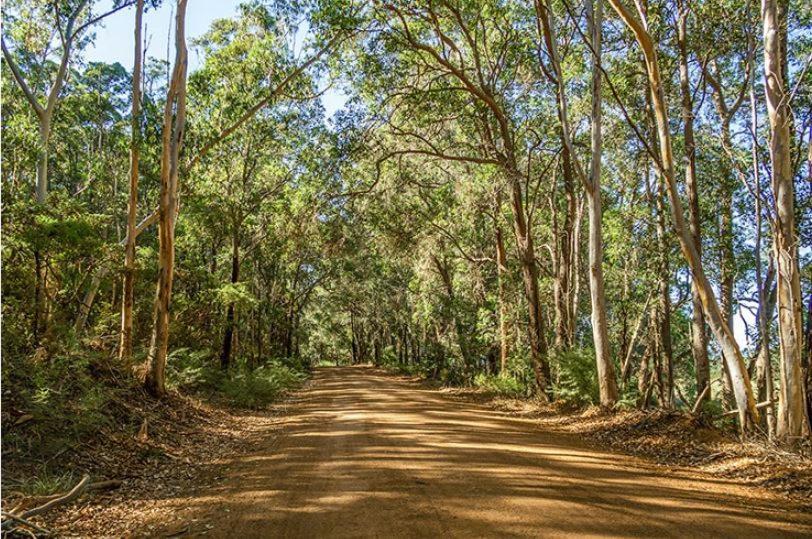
174,123
125,350
792,418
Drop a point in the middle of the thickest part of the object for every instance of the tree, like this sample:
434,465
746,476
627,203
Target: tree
174,122
125,350
69,34
792,418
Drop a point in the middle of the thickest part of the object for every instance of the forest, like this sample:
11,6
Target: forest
587,207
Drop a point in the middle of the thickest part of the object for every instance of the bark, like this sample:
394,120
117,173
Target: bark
763,362
228,336
600,331
748,415
666,352
501,276
764,373
699,338
125,349
792,421
172,140
530,279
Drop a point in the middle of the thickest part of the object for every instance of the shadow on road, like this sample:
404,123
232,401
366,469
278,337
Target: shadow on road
365,454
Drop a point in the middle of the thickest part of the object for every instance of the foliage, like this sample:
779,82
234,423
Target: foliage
502,385
577,381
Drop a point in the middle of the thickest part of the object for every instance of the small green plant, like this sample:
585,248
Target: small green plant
259,387
47,483
502,385
577,379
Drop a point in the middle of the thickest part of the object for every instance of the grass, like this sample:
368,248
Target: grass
46,483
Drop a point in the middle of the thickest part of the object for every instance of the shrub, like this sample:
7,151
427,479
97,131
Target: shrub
259,387
502,385
242,387
577,380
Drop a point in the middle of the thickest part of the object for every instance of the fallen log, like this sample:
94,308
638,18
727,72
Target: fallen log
759,406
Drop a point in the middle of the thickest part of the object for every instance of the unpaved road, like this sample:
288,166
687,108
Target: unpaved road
366,454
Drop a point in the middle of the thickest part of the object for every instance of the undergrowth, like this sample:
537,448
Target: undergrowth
58,403
501,385
242,386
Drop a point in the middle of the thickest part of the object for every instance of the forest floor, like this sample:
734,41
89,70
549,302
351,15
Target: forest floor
362,453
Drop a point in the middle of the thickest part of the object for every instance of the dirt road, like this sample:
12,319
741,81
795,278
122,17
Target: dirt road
365,454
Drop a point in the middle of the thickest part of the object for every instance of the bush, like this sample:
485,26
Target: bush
577,380
242,387
63,398
502,385
259,387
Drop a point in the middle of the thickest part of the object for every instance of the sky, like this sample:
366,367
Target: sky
114,36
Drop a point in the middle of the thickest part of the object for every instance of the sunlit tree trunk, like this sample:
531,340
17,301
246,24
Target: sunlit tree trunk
792,421
764,376
600,332
699,339
172,140
125,349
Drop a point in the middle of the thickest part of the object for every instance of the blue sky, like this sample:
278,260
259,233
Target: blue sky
114,37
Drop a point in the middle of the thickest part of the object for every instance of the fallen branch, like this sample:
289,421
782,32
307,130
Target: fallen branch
74,493
11,518
99,485
758,407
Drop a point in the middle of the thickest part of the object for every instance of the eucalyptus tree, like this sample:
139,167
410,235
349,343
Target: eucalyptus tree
125,348
591,183
41,85
174,124
792,420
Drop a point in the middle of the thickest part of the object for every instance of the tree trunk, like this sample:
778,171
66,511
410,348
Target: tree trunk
228,336
125,349
501,276
527,260
42,156
172,140
792,415
748,414
600,332
699,338
763,362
